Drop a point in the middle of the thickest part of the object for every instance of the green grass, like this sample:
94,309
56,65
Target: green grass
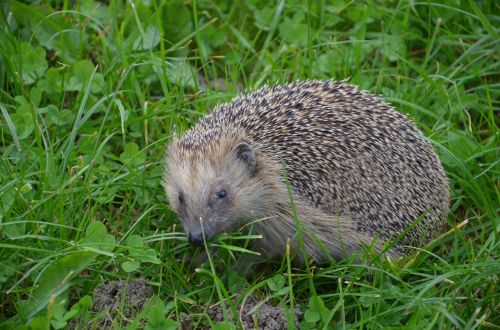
91,93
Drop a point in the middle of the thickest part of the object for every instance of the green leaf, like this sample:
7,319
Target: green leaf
156,318
79,309
328,62
39,323
462,145
131,148
46,110
14,230
235,281
131,265
7,199
282,292
58,312
393,48
7,268
311,316
149,40
293,31
32,62
66,117
98,238
86,302
82,72
52,82
212,38
264,17
73,312
23,122
135,241
132,156
179,72
155,314
58,324
56,279
149,255
226,325
169,324
20,99
143,254
177,20
317,310
368,300
35,96
55,117
276,283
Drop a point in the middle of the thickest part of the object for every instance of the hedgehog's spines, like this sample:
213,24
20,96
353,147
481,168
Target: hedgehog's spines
346,152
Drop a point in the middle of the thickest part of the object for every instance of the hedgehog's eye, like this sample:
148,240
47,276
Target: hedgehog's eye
181,198
222,193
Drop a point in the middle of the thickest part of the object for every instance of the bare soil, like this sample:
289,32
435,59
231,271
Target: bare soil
265,316
120,301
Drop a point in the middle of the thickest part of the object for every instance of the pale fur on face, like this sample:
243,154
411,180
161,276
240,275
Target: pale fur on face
197,174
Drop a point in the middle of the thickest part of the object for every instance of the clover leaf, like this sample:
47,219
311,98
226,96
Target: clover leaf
32,62
82,73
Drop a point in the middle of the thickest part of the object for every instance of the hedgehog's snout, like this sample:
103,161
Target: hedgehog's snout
195,238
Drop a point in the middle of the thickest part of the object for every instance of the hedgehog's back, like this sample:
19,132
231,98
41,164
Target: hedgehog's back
345,151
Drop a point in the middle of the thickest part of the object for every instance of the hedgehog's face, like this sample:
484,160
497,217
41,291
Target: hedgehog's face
213,189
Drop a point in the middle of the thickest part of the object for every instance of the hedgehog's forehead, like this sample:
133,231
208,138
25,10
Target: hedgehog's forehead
209,157
195,168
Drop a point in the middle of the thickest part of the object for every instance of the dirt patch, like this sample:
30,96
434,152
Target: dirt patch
120,301
265,316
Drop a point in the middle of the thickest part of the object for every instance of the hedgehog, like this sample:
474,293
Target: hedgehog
320,165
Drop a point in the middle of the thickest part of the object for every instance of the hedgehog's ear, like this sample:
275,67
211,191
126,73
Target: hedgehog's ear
245,153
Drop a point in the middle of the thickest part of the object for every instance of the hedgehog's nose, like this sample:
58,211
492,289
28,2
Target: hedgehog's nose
195,239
